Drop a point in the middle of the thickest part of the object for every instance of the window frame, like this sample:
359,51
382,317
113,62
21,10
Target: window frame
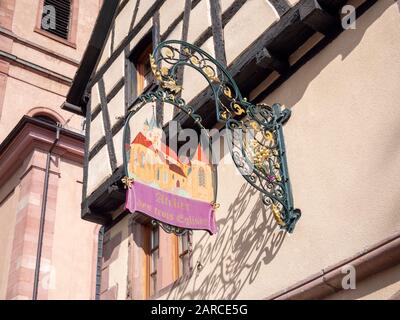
150,250
140,53
72,34
181,254
139,63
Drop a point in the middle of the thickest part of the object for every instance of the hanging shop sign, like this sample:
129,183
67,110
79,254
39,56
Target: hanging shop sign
256,145
176,191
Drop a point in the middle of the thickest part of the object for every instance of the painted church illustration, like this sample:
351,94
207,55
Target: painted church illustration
157,165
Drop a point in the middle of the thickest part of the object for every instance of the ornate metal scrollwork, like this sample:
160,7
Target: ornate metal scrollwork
258,151
257,143
170,229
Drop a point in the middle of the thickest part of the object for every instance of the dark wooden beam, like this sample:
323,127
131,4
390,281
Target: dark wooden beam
94,216
112,38
186,20
218,31
173,25
269,52
281,6
107,125
97,147
266,60
96,111
128,81
317,18
86,213
114,91
156,42
313,51
117,126
122,6
332,6
72,108
86,155
134,15
108,197
156,38
226,17
184,37
117,87
90,57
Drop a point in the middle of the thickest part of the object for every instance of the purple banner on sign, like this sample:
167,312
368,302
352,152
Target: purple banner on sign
170,208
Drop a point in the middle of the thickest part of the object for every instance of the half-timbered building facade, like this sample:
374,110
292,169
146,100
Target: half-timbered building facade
335,65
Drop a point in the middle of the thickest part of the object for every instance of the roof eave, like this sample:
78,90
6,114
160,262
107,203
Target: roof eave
75,101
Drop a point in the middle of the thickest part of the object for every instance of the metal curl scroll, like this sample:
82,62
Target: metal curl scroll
256,134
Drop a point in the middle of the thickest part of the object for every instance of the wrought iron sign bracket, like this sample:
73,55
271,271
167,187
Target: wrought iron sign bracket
256,137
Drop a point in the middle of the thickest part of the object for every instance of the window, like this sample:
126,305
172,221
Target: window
158,253
183,254
143,69
56,17
153,256
46,118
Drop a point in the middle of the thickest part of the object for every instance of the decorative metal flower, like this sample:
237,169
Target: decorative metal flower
128,182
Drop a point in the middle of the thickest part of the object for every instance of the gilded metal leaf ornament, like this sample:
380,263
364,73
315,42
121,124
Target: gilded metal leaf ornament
269,136
228,92
254,125
215,205
168,52
171,85
238,109
277,215
154,68
161,74
210,72
164,71
128,182
224,115
194,60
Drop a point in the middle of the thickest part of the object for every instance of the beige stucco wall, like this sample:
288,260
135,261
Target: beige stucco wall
74,252
247,25
96,130
169,13
99,170
382,286
118,270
